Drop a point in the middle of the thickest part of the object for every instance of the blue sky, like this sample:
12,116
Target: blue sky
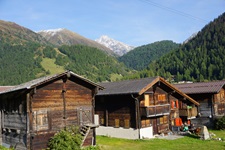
134,22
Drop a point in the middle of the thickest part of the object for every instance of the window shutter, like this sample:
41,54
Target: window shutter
177,104
172,104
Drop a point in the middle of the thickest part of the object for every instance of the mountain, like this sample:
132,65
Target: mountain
17,34
117,47
200,59
140,57
26,55
59,37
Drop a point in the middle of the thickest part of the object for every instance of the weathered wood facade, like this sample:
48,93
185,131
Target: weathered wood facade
138,108
211,96
33,112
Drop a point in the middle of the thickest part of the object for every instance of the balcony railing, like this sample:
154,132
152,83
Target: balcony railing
189,112
155,110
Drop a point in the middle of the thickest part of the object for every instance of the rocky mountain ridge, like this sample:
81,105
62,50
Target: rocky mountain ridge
116,46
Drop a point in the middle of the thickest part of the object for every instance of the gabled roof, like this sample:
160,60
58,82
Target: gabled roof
126,87
36,82
4,88
201,87
138,86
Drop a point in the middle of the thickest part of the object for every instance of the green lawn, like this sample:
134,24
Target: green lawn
185,143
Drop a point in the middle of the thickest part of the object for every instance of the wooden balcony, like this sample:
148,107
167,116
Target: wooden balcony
155,110
189,112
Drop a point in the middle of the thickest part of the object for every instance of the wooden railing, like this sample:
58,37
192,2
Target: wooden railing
155,110
189,112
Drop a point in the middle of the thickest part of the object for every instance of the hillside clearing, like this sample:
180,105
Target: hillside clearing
49,64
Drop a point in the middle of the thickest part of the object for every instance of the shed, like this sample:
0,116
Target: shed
211,97
140,108
31,113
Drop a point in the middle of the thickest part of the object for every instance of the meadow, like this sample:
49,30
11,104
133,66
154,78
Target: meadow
190,142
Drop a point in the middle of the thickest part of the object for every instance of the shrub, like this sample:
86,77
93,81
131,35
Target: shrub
69,139
220,123
91,148
4,148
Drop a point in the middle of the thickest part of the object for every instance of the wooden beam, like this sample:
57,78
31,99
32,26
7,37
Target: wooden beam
29,119
64,97
106,115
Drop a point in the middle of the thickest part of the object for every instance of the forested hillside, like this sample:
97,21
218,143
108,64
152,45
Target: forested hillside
21,63
26,55
91,63
140,57
18,63
202,58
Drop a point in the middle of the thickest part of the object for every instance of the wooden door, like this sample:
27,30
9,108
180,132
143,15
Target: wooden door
154,125
85,115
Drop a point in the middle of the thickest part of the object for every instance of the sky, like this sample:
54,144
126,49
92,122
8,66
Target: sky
134,22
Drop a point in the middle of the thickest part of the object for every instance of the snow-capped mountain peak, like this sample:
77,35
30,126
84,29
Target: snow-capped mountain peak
116,46
52,31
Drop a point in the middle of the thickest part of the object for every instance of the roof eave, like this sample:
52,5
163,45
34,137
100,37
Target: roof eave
179,92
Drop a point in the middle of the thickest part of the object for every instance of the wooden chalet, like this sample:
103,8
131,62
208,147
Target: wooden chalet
210,95
141,108
31,113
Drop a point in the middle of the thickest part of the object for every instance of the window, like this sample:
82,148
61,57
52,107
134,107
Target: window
161,97
127,123
40,120
162,120
146,100
102,121
117,123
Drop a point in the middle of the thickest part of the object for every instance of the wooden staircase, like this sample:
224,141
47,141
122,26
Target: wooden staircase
84,131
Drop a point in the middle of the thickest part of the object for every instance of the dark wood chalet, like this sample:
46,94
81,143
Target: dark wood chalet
141,108
33,112
211,96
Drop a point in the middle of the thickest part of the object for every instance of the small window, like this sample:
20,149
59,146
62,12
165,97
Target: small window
161,120
161,97
102,121
117,123
127,123
165,119
40,120
147,100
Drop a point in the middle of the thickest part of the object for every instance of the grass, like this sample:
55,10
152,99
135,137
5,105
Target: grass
185,143
218,133
115,77
49,64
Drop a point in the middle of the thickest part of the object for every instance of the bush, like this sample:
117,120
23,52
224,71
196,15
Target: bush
69,139
4,148
220,123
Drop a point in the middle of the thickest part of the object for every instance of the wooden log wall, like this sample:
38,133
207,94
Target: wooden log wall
205,109
219,103
154,96
13,119
116,111
205,101
62,100
160,96
174,112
